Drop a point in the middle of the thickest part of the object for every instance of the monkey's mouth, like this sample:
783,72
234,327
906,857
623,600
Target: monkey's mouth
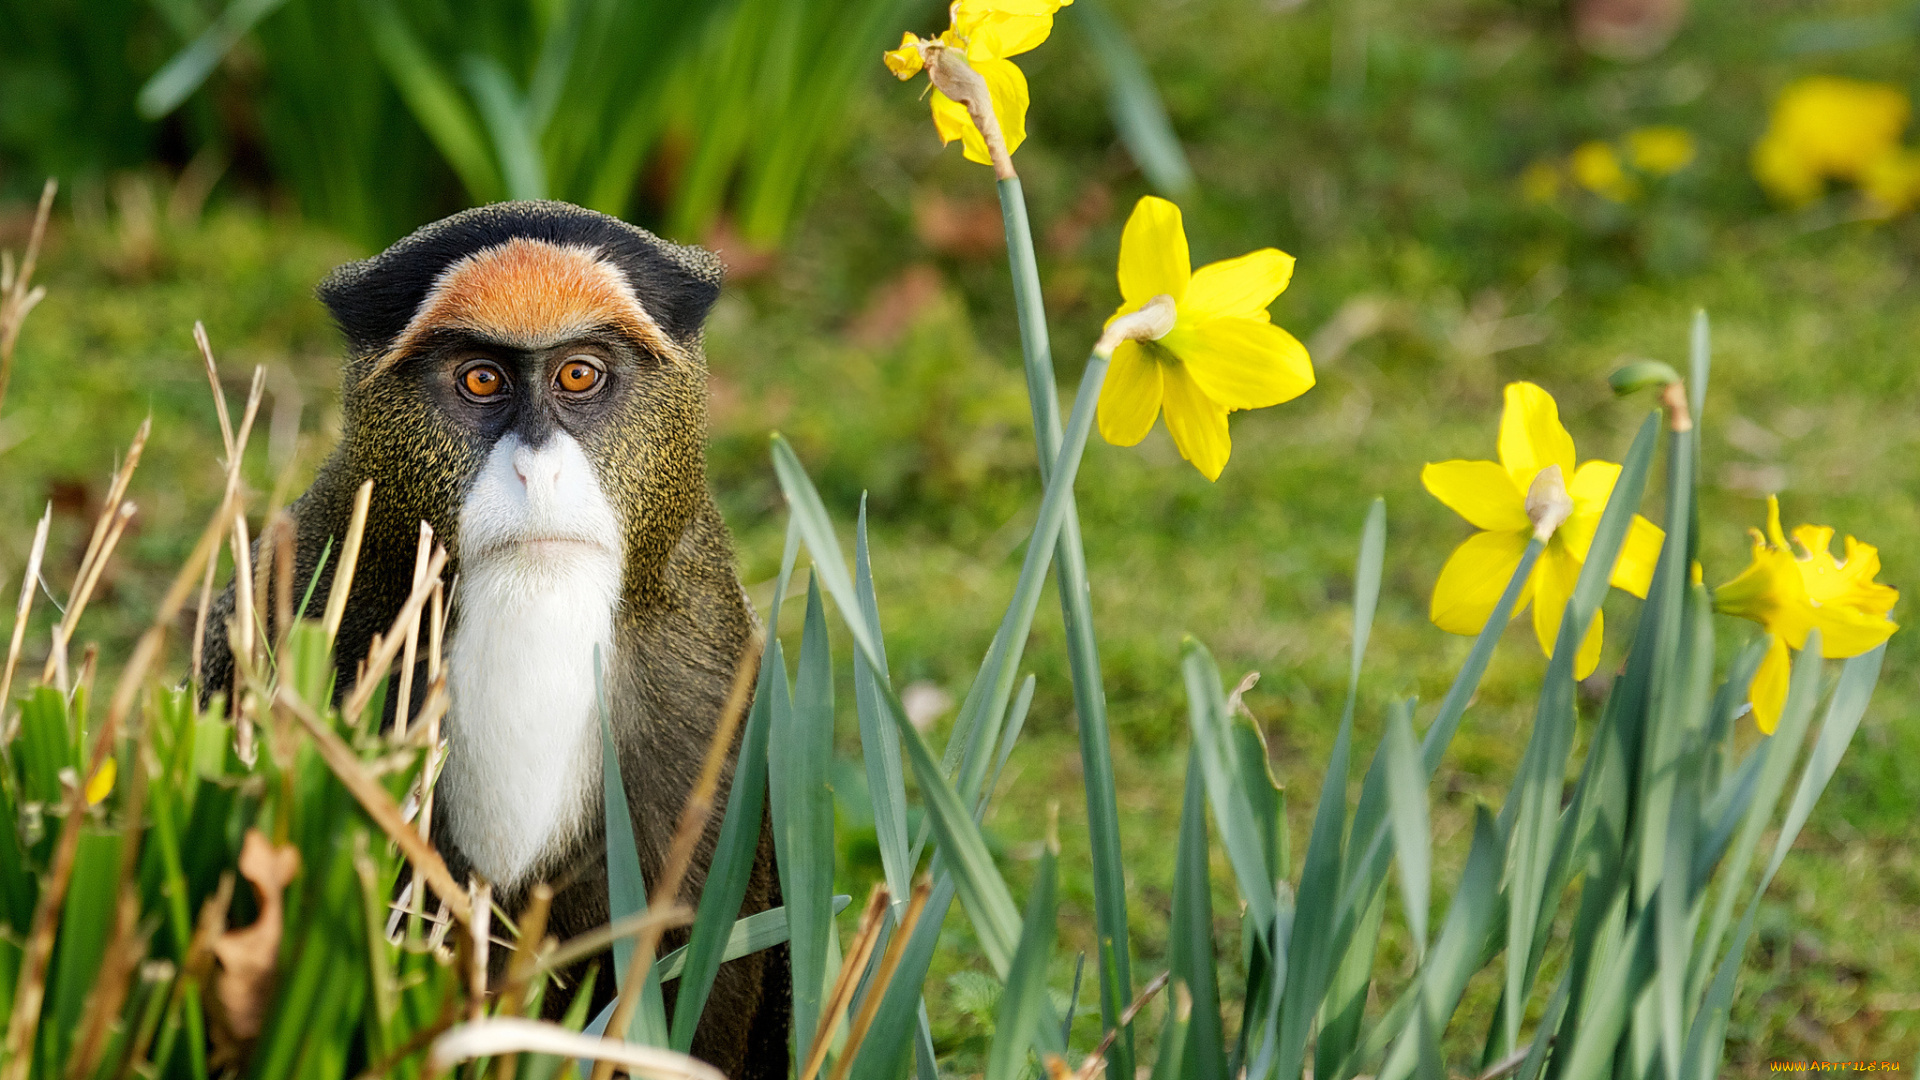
541,547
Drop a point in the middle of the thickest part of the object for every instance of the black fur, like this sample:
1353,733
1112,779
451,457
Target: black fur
682,625
373,299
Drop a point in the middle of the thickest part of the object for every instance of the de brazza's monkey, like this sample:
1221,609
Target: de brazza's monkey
528,378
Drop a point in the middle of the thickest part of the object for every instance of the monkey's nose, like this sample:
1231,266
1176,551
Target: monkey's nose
529,467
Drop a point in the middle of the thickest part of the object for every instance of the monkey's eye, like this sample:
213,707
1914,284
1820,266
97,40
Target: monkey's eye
483,380
578,374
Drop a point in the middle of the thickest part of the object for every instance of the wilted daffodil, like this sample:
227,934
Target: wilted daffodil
1222,354
1494,497
1791,594
986,33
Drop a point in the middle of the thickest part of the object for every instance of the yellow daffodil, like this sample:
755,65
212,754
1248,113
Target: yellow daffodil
1222,354
986,32
1660,151
1493,497
1892,184
1596,166
1791,594
1823,128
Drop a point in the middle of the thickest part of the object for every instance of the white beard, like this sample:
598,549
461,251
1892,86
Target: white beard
539,579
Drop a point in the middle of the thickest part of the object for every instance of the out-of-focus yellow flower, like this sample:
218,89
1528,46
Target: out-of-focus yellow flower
1540,182
1892,184
1222,354
1595,165
986,32
1493,497
101,784
1792,594
1661,150
1823,127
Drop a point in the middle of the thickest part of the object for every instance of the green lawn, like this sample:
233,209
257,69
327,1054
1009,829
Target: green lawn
882,343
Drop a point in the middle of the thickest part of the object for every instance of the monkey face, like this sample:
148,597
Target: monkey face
537,337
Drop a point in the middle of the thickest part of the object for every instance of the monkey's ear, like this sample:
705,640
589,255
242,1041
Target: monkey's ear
677,284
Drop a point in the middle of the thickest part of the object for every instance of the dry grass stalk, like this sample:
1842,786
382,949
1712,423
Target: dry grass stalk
855,963
411,650
25,1020
240,634
281,532
1096,1062
27,592
213,379
479,929
381,656
349,562
693,822
883,977
526,949
490,1038
379,805
18,295
579,948
430,770
107,528
89,577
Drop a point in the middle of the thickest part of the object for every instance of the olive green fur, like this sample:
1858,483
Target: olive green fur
681,628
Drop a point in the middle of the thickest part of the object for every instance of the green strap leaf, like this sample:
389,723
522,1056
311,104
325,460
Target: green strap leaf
801,740
626,884
1190,939
880,745
1026,987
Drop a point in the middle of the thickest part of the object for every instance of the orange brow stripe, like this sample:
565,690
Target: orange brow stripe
532,293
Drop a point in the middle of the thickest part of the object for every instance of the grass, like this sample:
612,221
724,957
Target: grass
884,348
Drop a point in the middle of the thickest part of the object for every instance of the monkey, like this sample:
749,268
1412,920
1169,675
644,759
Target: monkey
529,378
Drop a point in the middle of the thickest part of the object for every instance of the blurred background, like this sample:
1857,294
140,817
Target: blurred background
1477,191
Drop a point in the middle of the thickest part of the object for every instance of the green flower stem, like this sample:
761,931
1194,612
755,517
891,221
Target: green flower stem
1083,654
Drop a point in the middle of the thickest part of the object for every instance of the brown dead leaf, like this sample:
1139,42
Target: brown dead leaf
963,228
893,307
247,957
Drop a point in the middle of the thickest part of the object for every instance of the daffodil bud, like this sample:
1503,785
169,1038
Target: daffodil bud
1151,321
1548,504
1642,375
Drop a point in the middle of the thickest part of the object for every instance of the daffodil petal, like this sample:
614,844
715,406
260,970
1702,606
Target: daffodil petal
1531,436
1845,632
950,119
1198,424
906,61
1002,34
1552,588
1475,575
1589,657
101,784
1480,491
1153,253
1769,690
1633,571
1006,90
1130,398
1591,484
1242,363
1240,287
